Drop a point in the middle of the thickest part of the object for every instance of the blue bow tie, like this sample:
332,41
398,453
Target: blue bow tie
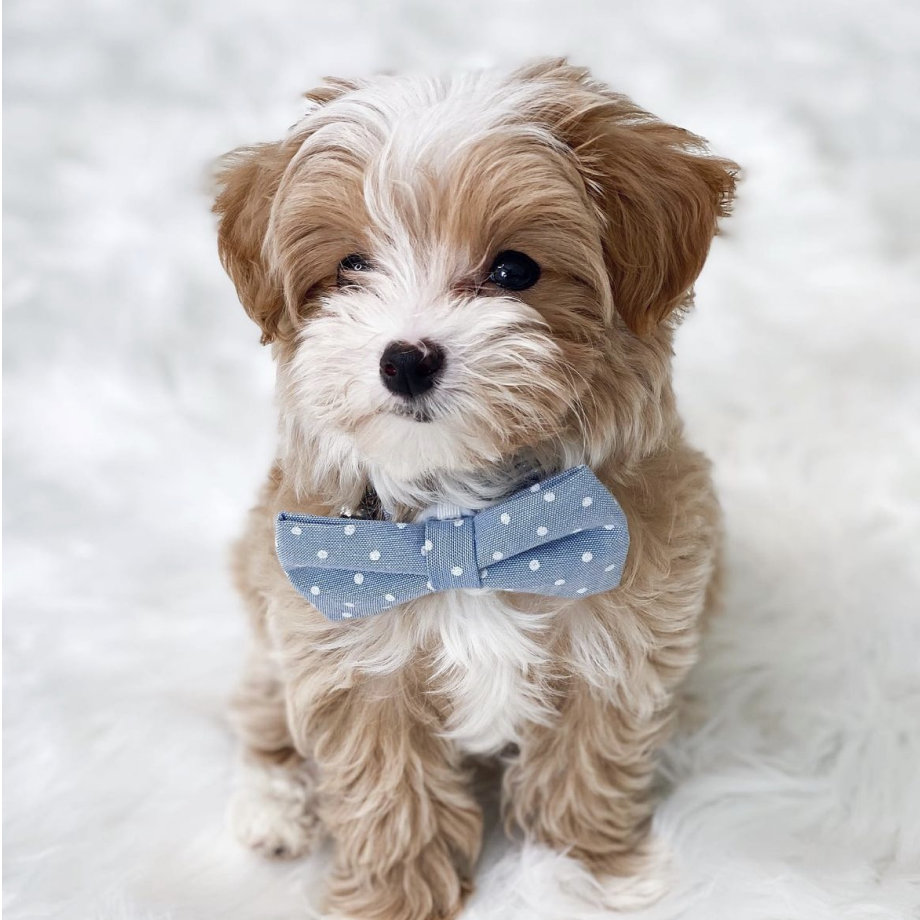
566,536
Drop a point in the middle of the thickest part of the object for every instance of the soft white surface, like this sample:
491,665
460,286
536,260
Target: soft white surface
138,423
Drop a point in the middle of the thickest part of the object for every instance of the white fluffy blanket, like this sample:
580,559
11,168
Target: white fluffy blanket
139,421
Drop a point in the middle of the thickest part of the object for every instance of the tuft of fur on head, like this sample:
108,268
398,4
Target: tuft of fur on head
429,179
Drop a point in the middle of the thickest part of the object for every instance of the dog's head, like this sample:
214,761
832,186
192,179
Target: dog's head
453,272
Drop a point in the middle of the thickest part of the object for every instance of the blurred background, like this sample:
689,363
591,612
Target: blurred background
138,423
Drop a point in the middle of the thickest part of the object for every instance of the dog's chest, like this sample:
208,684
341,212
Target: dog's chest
490,662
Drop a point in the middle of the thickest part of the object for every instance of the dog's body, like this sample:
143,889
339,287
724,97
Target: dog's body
526,241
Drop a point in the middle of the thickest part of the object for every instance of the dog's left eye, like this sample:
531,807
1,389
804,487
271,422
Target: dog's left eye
514,271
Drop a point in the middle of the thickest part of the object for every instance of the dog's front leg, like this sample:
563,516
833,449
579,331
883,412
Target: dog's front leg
582,785
407,830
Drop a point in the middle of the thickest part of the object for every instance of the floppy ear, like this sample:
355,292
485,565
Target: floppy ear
248,179
659,193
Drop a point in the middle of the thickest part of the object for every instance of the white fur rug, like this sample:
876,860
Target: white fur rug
138,423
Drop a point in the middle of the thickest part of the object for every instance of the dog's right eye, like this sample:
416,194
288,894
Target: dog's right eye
355,263
350,267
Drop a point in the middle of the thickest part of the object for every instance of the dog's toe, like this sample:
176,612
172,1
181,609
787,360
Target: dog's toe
272,812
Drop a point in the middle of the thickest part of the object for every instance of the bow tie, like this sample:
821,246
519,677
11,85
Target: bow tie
566,537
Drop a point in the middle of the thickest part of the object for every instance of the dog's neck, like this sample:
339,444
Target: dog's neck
331,473
451,493
354,488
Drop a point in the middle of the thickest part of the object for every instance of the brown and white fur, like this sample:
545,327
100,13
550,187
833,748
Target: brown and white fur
367,729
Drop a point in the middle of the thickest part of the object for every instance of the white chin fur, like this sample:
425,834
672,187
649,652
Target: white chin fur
406,449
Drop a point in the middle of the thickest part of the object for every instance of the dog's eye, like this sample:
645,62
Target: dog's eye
351,265
514,271
355,263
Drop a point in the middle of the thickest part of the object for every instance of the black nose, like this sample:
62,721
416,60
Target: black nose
411,370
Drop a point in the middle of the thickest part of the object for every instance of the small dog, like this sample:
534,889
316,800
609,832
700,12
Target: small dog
469,284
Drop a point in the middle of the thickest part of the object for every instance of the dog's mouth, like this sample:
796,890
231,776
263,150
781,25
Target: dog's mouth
415,410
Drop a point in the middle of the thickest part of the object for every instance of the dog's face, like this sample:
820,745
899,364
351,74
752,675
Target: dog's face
454,272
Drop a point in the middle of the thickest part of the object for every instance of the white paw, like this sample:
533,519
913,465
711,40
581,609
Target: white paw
633,892
272,812
648,885
553,885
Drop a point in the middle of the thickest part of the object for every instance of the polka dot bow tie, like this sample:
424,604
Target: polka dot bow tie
566,537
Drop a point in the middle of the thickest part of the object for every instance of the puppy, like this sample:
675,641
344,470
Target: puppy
469,284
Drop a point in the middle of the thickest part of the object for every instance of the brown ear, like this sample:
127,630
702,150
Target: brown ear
662,198
248,179
659,193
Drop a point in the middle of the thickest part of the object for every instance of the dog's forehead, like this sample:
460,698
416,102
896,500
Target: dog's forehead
439,157
399,129
402,114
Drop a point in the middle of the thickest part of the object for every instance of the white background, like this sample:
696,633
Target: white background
138,422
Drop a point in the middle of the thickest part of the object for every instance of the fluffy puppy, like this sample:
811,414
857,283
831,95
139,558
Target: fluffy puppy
527,243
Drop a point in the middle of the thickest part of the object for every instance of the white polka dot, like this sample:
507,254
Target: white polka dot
347,604
559,581
485,573
458,523
349,529
506,519
609,568
549,496
389,598
587,502
610,526
581,591
497,556
347,615
359,578
296,531
535,487
429,586
314,590
534,565
427,547
401,526
374,554
587,557
456,571
322,554
542,531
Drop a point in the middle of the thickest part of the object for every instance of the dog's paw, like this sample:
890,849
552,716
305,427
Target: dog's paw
632,892
648,883
272,812
553,884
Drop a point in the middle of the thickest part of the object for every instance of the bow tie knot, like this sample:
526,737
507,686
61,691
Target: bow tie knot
566,536
451,554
